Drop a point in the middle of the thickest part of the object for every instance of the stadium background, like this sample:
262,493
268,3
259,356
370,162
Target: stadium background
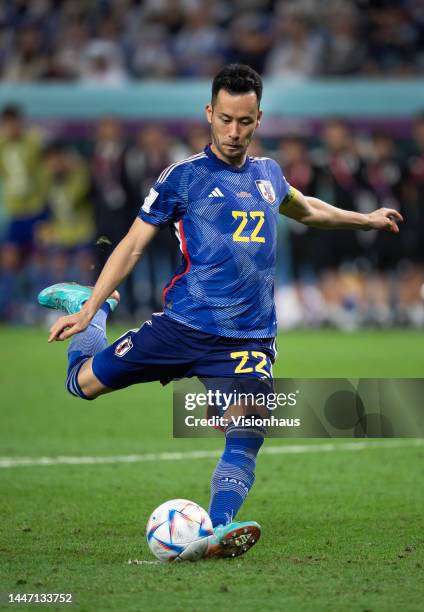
111,93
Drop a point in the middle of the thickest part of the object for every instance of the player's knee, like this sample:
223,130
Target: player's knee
73,385
76,392
82,383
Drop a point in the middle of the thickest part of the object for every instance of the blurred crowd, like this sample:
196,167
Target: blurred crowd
112,41
62,212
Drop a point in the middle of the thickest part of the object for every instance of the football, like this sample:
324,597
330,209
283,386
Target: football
176,531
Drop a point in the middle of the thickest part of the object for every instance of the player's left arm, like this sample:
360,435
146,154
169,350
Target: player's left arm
317,213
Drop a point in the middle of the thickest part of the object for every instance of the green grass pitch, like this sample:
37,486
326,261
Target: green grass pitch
342,530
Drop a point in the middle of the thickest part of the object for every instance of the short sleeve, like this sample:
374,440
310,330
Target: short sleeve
165,202
282,185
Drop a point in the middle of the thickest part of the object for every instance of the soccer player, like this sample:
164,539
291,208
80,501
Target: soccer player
218,316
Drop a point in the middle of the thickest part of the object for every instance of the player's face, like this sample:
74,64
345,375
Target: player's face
233,120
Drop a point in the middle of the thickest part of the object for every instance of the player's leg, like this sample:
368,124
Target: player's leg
232,479
161,349
69,297
231,482
234,474
80,379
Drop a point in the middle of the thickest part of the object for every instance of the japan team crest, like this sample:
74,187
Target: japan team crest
123,347
266,190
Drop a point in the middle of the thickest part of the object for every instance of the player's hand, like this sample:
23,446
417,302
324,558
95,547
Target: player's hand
67,326
385,219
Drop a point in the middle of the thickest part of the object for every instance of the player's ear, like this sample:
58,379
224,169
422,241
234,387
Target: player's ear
208,109
258,121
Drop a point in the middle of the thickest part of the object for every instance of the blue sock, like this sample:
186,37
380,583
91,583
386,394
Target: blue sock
234,475
83,346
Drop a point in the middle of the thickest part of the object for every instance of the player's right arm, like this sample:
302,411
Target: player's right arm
118,266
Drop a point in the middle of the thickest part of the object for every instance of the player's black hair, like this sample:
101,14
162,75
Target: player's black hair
237,79
11,111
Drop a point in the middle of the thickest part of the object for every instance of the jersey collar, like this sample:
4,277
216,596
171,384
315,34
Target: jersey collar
224,164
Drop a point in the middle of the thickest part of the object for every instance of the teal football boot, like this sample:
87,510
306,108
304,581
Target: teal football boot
227,541
70,297
233,540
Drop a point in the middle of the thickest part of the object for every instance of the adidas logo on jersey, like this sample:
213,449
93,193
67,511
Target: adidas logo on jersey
216,193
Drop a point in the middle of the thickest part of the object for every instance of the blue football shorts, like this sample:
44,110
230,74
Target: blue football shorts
164,350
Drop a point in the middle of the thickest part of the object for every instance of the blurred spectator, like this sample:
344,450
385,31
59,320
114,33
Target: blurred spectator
103,56
196,138
250,40
11,286
55,70
345,48
393,40
23,183
70,224
411,282
152,58
297,51
170,13
69,49
147,157
415,208
308,252
199,45
102,64
27,60
386,176
342,183
113,205
347,281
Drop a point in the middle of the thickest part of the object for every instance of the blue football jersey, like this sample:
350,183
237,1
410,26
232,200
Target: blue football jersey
225,219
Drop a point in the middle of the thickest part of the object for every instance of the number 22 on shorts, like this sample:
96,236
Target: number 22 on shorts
244,356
